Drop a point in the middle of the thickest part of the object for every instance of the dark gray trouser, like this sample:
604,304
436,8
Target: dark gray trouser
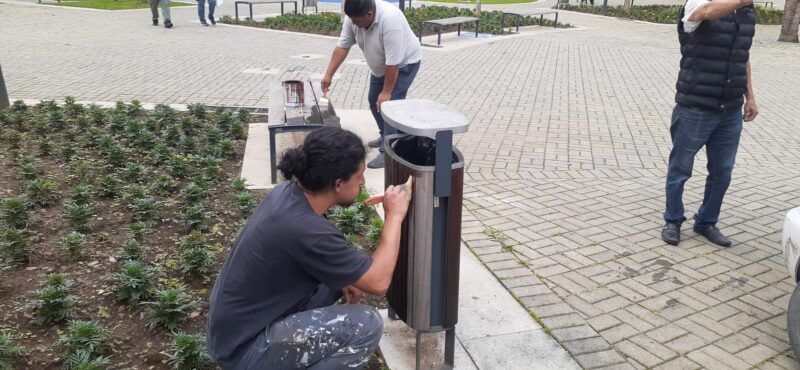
164,9
325,336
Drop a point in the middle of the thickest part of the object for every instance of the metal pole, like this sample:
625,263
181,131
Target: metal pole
402,5
3,93
605,7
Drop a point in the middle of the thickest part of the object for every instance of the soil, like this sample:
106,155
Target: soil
134,346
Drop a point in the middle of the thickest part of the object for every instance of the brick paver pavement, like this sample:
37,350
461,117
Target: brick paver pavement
566,162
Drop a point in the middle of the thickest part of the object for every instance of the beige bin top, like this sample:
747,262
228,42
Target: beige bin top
423,117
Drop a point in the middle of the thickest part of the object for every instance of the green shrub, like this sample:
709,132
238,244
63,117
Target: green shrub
80,170
134,173
82,360
72,109
108,186
239,185
165,115
194,217
237,131
134,283
194,193
45,146
78,216
53,303
41,193
9,353
145,140
15,212
172,136
144,210
83,336
198,257
176,166
189,144
30,169
164,185
116,155
132,192
188,352
197,110
246,203
212,168
137,230
169,308
96,114
161,154
67,150
224,121
213,136
73,243
15,246
375,230
132,250
81,195
227,149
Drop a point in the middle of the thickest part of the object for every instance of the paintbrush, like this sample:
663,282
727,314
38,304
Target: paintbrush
407,187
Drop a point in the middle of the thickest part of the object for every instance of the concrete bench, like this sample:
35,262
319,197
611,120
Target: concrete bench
307,117
766,4
250,3
439,23
540,12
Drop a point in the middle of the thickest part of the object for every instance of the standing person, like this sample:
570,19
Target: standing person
713,84
272,305
201,11
164,10
391,50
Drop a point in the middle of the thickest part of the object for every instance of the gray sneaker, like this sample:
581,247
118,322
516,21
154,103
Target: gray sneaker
377,162
375,143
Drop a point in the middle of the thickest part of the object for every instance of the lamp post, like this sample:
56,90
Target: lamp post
3,93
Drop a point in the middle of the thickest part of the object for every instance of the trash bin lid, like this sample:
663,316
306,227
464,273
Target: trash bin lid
423,117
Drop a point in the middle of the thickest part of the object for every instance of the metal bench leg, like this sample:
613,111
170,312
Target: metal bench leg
459,29
251,11
236,5
439,40
450,347
477,28
281,8
272,160
541,20
555,23
518,17
295,7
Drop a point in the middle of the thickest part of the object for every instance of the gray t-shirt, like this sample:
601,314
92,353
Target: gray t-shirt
280,257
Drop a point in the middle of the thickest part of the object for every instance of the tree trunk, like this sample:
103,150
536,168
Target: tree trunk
478,8
627,4
791,21
3,93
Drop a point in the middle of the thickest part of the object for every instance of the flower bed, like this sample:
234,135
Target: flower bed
664,13
113,225
331,24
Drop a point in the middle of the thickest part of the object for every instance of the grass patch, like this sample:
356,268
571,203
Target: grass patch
667,14
113,4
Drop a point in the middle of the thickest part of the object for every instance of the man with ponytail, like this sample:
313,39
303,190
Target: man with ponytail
273,303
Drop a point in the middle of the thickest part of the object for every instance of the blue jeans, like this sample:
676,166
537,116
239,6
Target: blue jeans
201,9
719,132
405,76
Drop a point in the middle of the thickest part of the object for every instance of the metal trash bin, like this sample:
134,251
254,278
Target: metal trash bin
424,289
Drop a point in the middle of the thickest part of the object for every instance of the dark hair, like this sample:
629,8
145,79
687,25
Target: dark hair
358,8
327,154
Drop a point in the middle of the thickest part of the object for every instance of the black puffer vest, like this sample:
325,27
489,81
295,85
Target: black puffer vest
714,64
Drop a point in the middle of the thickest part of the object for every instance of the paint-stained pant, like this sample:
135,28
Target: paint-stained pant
325,336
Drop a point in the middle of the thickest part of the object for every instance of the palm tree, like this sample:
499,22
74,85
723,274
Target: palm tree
791,21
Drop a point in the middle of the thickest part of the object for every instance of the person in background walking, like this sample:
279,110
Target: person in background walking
201,11
164,10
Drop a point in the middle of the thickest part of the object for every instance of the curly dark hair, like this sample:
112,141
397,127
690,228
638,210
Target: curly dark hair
327,154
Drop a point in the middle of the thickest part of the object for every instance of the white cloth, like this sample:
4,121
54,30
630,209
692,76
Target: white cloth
388,41
689,9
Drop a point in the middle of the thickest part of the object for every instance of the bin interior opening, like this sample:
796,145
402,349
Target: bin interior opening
418,150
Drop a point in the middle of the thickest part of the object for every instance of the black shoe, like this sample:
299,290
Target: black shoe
167,24
211,19
375,143
715,236
671,233
155,21
204,23
377,162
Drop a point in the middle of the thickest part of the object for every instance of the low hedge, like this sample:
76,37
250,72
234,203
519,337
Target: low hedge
664,13
331,23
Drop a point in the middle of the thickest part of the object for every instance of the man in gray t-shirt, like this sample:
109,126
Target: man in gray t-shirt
392,53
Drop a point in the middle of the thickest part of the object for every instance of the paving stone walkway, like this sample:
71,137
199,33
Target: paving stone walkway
566,162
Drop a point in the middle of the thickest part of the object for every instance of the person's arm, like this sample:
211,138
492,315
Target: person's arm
389,80
339,55
717,9
346,40
379,275
750,109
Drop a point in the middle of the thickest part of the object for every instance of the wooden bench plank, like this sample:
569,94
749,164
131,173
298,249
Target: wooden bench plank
527,13
451,21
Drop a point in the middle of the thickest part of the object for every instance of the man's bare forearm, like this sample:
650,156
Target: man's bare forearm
338,57
749,94
717,9
390,78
